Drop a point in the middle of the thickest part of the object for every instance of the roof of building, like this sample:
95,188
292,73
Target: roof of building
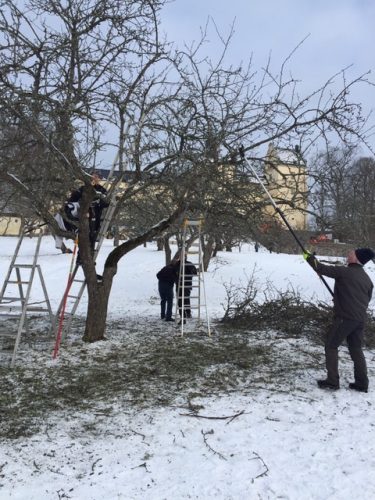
286,156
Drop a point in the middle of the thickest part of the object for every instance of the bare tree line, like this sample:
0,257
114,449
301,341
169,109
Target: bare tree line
343,194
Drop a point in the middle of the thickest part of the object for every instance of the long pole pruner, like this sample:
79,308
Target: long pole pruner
279,211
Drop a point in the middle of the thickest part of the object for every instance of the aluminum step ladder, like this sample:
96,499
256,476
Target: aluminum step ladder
78,282
191,289
15,297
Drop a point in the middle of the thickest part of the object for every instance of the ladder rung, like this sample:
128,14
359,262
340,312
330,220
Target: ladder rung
20,308
37,309
27,266
12,299
18,282
193,222
72,296
8,334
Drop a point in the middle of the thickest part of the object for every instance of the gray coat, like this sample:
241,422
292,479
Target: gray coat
352,291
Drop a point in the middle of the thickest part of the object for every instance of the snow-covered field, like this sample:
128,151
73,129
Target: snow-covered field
279,440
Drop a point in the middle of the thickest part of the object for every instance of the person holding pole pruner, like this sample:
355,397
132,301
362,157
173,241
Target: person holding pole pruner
352,294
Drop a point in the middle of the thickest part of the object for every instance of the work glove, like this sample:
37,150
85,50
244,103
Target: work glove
310,258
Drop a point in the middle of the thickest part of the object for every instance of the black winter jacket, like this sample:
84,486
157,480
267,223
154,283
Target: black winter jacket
352,291
168,274
190,271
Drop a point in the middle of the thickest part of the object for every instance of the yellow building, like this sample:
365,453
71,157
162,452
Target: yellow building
10,224
286,181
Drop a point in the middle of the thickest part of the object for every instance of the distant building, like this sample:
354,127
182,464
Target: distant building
10,224
286,178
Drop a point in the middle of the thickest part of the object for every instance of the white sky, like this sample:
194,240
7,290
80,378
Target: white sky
341,34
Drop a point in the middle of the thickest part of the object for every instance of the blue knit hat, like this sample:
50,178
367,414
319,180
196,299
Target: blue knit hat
364,255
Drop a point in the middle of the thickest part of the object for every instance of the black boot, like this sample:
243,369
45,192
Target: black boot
356,387
326,384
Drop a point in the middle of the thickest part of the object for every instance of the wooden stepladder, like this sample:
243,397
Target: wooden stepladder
15,295
191,289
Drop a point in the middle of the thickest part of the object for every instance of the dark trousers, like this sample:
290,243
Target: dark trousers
166,296
352,331
184,310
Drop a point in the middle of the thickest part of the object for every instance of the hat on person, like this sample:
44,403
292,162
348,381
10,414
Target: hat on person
364,255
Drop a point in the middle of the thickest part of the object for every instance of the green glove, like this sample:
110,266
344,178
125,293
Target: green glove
311,259
306,254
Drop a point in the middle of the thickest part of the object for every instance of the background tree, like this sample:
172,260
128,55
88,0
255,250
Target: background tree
343,194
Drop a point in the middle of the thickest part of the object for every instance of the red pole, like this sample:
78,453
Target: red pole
65,298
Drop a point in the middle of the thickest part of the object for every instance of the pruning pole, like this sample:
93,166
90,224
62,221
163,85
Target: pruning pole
65,299
279,211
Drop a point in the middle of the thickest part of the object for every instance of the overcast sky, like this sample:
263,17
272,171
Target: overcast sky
341,33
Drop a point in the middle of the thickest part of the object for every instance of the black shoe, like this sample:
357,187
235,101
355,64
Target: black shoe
325,384
180,322
356,387
169,319
162,317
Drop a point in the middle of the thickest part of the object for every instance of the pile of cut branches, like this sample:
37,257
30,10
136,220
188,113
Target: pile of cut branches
285,312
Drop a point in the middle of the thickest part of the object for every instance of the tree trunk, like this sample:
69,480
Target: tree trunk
167,250
160,244
116,236
207,251
97,308
217,248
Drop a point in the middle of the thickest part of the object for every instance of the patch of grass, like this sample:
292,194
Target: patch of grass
143,364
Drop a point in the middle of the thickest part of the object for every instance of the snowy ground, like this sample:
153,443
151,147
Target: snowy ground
234,416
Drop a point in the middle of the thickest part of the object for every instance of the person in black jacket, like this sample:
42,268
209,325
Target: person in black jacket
99,203
96,208
352,294
167,277
184,287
